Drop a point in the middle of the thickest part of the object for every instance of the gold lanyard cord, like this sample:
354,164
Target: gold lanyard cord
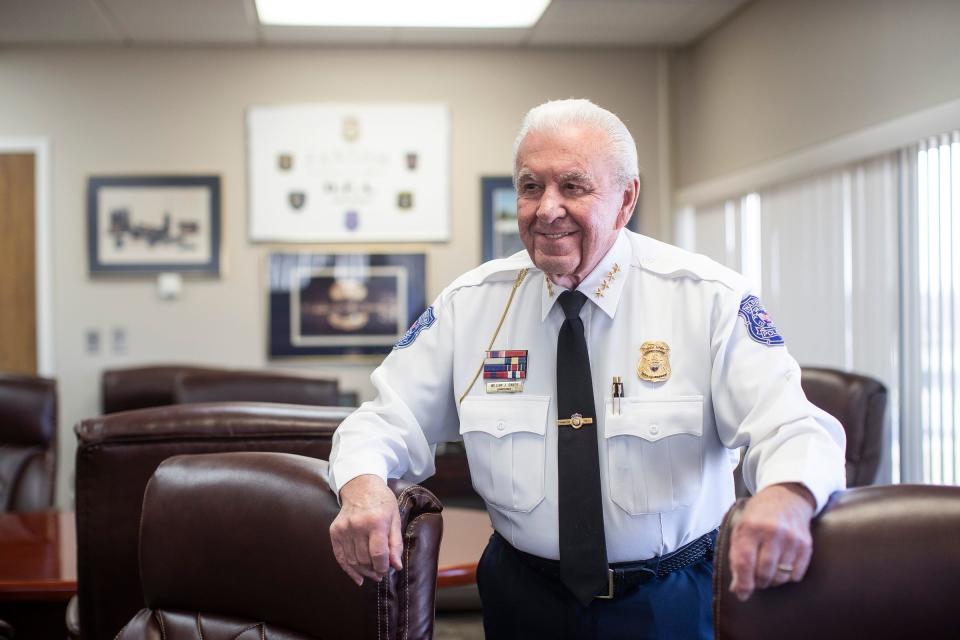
503,316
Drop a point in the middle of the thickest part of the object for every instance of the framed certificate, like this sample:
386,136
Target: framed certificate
349,173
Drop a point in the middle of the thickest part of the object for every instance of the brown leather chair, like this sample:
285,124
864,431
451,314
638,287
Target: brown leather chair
116,455
156,386
254,386
261,566
28,432
859,403
886,564
141,387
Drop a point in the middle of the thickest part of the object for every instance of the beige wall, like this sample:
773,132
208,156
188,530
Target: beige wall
785,74
121,111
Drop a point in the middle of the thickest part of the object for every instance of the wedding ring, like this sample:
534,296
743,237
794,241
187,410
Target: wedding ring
785,568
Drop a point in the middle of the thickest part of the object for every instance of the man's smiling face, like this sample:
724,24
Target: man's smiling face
570,204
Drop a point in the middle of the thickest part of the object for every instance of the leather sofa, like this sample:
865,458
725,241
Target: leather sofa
116,456
261,565
28,442
155,386
886,564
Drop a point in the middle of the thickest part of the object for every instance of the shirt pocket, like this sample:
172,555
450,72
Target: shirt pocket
654,453
505,439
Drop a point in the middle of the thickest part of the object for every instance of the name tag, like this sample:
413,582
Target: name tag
505,386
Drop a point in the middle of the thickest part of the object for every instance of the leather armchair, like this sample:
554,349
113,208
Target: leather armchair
116,456
254,386
28,428
261,566
141,387
157,386
885,564
859,403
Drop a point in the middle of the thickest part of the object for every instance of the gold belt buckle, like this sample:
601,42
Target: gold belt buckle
609,595
576,421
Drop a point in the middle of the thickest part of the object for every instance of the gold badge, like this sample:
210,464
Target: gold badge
654,365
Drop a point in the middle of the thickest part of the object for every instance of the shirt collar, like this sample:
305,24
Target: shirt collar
603,286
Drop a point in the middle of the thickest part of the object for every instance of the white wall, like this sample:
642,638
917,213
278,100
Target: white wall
782,75
123,111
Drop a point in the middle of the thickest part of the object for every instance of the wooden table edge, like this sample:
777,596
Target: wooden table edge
456,575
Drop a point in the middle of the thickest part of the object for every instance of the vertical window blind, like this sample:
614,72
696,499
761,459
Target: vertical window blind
930,310
860,268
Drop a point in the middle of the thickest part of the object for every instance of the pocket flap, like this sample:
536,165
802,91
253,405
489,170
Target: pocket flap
502,416
655,419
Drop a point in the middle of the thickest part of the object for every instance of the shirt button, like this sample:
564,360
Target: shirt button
654,429
500,426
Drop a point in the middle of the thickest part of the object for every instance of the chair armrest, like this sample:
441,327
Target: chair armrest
116,455
885,565
72,619
280,506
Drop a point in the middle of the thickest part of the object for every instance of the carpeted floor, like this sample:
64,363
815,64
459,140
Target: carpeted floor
453,625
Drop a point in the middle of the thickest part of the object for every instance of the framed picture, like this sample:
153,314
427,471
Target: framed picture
332,172
501,238
154,224
342,304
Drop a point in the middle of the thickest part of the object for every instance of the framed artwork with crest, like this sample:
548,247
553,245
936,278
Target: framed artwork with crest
331,172
342,304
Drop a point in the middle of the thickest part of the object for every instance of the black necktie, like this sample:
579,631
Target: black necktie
583,549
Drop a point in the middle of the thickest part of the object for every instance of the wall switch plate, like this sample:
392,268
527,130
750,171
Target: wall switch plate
92,341
118,340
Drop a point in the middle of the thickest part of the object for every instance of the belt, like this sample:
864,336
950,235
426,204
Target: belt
624,577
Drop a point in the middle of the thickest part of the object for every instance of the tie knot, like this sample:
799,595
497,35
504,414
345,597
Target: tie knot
572,302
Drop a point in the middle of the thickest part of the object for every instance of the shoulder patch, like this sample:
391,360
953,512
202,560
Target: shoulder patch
758,322
425,321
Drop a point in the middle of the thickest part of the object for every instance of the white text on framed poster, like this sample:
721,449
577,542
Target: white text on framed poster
349,173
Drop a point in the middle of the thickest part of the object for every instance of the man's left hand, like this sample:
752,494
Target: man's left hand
771,542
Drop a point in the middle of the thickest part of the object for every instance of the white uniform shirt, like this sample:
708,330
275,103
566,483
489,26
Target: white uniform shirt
665,460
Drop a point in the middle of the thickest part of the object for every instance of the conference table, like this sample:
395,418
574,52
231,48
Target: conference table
38,571
38,564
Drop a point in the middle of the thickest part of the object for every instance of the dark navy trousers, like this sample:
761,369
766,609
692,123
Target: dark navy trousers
520,602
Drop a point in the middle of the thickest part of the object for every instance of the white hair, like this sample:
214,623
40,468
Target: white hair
556,115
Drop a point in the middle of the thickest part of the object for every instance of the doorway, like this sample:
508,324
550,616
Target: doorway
26,317
18,278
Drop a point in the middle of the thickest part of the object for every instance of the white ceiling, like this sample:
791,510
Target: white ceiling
586,23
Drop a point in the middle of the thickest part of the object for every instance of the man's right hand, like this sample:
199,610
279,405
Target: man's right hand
366,534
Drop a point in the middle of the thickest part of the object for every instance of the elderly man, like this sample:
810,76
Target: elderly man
599,382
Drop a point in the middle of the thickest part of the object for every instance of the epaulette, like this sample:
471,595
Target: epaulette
500,270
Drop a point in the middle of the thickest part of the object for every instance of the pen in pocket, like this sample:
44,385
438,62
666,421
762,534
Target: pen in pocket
617,394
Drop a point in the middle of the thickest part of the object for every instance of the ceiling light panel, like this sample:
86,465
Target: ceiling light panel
489,14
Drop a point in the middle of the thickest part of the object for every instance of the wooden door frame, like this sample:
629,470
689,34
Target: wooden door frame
40,148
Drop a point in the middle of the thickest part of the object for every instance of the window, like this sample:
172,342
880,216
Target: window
929,450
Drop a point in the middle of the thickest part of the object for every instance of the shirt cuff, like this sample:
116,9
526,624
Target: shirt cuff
822,480
343,471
